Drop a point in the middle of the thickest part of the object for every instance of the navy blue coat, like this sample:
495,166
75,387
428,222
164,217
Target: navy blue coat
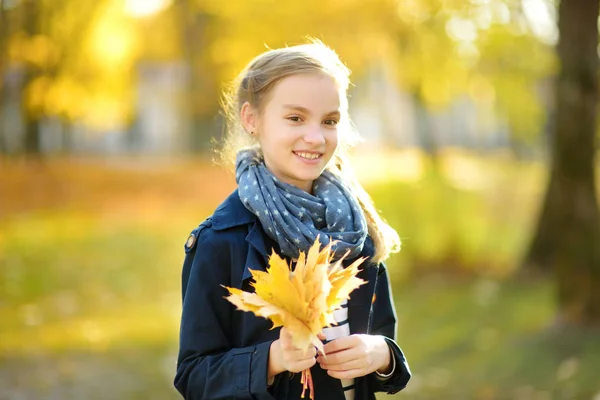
224,352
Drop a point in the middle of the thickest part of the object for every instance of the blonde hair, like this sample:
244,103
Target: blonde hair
255,83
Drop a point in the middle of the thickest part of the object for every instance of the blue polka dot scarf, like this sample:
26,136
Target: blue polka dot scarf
292,217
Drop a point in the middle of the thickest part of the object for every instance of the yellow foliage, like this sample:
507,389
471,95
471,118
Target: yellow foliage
38,50
302,300
88,52
113,39
35,94
359,31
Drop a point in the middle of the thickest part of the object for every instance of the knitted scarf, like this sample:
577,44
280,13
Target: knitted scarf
292,217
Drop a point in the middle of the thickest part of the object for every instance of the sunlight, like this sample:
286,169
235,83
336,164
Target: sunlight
541,16
407,165
113,41
461,29
145,8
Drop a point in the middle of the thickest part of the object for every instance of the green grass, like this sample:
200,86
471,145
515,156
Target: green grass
90,297
443,226
478,338
63,272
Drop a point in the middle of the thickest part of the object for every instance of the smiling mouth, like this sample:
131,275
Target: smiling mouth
308,156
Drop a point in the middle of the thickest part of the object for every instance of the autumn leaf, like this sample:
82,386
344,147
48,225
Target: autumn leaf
303,299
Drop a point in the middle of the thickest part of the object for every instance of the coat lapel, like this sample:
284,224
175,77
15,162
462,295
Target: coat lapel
257,257
359,305
361,299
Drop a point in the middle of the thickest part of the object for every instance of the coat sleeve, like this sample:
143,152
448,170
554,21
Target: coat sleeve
208,366
384,323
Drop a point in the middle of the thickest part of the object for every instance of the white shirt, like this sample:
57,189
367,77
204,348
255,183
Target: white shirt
342,329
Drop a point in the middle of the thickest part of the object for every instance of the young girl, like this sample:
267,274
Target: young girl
288,131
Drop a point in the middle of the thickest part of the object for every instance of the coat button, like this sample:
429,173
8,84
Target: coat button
190,241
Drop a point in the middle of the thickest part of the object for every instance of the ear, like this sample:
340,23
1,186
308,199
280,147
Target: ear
249,118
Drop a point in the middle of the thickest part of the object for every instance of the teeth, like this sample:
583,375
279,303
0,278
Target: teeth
309,156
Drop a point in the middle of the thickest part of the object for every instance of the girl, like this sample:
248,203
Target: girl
288,129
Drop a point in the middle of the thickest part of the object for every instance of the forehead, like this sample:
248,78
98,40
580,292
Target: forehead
315,92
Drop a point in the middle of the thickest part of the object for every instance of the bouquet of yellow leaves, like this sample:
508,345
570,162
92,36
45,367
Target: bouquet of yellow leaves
302,300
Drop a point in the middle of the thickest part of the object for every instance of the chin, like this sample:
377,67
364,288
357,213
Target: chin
306,178
310,176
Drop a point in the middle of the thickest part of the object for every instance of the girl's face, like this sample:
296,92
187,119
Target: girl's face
297,129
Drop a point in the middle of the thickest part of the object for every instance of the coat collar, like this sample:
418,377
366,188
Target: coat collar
361,300
232,212
360,303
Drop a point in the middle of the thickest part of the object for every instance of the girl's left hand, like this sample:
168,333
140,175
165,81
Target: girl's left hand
356,355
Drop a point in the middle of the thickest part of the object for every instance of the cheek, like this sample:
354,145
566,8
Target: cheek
267,139
276,132
333,139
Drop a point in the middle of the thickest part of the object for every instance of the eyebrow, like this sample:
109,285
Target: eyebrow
307,111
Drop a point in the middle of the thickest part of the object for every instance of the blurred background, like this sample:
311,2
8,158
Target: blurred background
479,120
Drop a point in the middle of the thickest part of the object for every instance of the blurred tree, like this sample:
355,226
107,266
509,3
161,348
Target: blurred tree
3,71
359,31
104,68
32,74
441,50
482,50
568,232
85,58
219,38
67,26
517,66
201,99
46,46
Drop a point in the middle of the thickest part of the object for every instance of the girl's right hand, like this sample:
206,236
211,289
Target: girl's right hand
284,356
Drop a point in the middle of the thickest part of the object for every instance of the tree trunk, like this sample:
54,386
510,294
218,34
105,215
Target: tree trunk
190,47
567,241
201,93
3,68
31,137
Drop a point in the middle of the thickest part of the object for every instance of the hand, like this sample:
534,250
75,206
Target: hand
356,355
284,356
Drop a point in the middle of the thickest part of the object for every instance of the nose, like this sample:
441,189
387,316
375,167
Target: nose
314,135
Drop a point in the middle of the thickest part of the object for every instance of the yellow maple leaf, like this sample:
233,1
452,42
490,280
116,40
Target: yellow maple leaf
302,300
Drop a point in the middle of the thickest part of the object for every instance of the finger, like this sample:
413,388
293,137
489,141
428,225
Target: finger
340,344
346,366
288,344
321,336
299,366
340,357
321,354
349,374
297,354
310,352
285,337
